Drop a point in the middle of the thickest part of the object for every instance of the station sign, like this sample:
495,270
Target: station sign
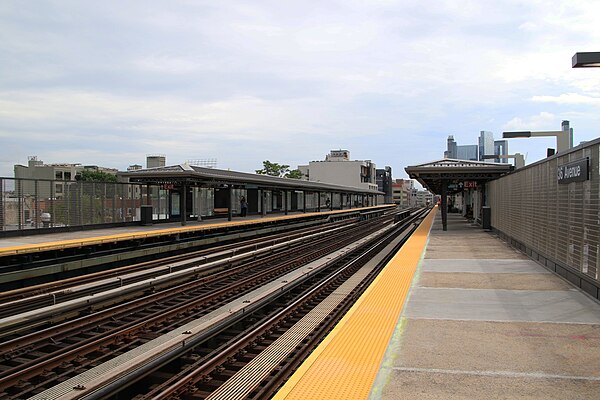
575,171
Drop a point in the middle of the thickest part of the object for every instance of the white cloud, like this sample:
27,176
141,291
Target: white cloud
239,81
568,98
529,26
543,121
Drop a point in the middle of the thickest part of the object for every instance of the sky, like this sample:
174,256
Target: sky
109,82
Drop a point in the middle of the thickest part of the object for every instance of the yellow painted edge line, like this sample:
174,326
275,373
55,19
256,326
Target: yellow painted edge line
69,243
296,381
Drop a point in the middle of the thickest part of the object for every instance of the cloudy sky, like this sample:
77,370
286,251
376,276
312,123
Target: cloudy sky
108,82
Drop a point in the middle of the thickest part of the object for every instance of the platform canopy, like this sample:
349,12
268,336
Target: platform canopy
450,174
191,175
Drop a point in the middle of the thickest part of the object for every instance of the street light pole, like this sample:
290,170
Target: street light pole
586,60
564,138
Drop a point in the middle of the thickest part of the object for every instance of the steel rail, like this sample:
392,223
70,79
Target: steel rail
95,301
232,348
25,373
60,291
201,370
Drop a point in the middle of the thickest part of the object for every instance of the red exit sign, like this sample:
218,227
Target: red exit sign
470,184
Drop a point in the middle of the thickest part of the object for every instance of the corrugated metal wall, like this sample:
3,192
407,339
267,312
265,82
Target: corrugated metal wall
559,222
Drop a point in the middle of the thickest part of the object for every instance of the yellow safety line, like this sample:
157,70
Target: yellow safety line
345,364
62,244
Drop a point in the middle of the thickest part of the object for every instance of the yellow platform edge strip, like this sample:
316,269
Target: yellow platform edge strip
69,243
346,363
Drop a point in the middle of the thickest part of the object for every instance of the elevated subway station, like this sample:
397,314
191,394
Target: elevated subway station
548,209
534,333
449,176
218,192
412,332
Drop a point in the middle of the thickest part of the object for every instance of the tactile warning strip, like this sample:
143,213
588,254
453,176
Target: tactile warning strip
345,365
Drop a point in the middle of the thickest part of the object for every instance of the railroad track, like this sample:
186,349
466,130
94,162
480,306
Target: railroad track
30,298
38,360
256,362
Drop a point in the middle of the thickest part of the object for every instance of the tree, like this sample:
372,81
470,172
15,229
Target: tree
294,174
280,170
90,175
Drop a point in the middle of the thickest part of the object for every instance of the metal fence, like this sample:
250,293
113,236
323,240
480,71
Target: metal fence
37,203
27,204
551,209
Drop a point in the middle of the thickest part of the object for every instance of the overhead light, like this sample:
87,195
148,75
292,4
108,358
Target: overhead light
586,60
509,135
564,137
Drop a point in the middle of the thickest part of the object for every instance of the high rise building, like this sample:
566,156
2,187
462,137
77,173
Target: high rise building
467,152
451,151
501,149
486,145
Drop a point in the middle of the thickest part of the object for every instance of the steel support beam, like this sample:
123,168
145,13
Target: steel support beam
229,203
183,202
444,206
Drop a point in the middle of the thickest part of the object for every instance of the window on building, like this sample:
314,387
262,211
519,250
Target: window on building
58,175
67,176
58,189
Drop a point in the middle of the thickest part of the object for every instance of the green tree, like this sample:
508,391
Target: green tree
294,174
90,175
280,170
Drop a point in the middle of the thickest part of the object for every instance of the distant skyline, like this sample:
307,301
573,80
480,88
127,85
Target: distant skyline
107,83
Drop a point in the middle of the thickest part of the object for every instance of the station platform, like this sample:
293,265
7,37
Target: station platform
459,314
25,241
50,241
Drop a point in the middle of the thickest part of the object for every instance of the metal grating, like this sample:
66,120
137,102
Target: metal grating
561,222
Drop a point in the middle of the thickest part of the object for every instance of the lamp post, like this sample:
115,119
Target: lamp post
586,60
564,138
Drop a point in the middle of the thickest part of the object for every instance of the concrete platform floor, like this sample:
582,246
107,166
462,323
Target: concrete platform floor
484,322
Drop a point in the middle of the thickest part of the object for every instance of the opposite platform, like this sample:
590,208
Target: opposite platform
481,321
60,240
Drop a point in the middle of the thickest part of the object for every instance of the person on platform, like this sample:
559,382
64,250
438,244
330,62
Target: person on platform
243,207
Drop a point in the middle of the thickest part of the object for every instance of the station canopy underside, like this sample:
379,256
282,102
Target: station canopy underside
437,174
190,175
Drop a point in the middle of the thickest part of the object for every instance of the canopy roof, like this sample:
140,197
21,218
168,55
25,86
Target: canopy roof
202,176
435,174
